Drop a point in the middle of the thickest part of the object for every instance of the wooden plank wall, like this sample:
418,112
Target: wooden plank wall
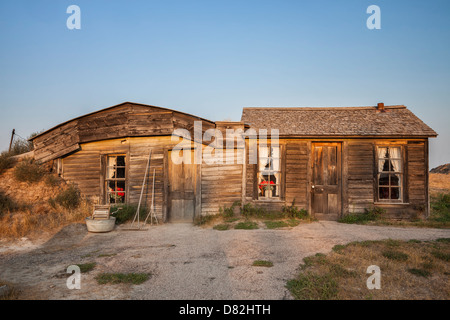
296,173
84,168
417,173
222,184
360,179
128,120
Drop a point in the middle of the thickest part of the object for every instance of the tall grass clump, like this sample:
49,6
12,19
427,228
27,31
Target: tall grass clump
28,171
6,161
440,207
69,198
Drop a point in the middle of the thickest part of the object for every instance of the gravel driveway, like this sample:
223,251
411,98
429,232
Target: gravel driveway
186,262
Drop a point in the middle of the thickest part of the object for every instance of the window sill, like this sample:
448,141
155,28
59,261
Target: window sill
269,200
392,203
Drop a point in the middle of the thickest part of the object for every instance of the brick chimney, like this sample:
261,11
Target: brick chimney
380,106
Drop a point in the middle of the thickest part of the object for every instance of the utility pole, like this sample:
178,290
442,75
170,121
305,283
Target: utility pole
12,137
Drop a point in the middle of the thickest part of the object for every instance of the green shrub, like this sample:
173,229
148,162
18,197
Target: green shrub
28,171
228,212
127,213
6,161
293,212
69,198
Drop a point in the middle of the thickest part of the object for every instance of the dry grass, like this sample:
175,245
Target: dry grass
439,183
409,270
36,211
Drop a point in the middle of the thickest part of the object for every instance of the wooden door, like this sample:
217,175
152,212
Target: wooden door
326,181
182,188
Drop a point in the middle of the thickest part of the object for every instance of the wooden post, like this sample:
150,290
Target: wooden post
12,137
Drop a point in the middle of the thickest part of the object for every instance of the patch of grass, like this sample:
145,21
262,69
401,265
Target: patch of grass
311,286
339,248
440,207
441,255
246,225
228,212
420,272
318,258
339,271
370,214
444,240
28,171
262,263
293,212
276,224
414,241
222,227
103,255
395,255
342,273
116,278
392,243
69,198
86,267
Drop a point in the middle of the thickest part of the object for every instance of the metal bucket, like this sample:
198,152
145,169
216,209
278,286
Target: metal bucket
100,225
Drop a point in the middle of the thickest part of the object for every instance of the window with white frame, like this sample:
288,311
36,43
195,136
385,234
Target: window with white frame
269,172
115,179
390,173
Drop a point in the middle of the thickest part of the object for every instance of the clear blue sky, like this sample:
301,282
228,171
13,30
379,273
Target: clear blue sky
211,58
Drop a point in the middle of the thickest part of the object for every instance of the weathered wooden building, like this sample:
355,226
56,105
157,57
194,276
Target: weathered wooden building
330,161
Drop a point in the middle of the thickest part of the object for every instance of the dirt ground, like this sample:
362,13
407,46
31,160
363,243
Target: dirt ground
185,261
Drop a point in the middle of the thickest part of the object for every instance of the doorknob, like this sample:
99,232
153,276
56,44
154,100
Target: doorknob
312,187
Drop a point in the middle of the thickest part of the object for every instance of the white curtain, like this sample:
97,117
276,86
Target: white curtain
263,154
276,158
395,153
381,155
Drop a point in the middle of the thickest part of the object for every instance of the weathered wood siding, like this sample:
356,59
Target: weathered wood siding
360,175
84,168
296,173
126,120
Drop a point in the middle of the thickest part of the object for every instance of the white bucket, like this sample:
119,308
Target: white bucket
100,225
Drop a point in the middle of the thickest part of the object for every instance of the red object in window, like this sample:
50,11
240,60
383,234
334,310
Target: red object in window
263,183
120,194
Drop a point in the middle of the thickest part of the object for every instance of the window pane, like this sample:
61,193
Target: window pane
120,161
395,180
395,193
383,165
383,192
382,153
112,161
120,173
394,153
383,179
396,165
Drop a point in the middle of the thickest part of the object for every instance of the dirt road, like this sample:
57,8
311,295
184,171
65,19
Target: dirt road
185,262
